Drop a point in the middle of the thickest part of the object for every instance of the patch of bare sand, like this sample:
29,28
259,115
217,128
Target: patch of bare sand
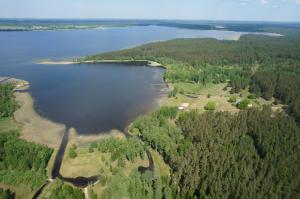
36,128
49,62
85,140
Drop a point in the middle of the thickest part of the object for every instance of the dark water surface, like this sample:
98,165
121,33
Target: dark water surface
91,98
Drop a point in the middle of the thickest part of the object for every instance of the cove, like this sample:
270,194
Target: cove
92,98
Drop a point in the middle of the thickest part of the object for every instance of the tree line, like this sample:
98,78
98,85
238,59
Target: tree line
22,162
8,104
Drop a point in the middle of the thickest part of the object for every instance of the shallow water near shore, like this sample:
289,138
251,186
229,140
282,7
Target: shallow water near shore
92,98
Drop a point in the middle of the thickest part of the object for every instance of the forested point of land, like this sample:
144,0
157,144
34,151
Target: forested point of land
251,154
269,66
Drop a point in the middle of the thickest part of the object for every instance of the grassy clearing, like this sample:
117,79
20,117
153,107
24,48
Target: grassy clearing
96,163
199,96
21,191
212,92
161,168
89,164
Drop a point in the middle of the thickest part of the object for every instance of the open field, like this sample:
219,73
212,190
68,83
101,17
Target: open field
88,164
35,128
197,97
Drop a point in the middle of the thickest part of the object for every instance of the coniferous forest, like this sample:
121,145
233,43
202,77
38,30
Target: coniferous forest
252,154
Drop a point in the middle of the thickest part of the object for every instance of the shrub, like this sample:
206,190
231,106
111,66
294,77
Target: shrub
244,104
72,153
6,194
232,99
252,96
210,106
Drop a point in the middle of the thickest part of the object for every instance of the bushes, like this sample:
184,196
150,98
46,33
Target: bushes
72,152
244,104
252,96
210,106
136,186
6,194
62,191
232,99
120,150
168,112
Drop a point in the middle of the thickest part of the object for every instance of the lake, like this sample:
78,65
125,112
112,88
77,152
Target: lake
92,98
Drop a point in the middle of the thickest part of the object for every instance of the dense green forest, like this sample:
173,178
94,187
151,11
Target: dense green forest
219,155
251,154
22,162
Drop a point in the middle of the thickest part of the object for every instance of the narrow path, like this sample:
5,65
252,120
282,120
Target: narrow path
86,193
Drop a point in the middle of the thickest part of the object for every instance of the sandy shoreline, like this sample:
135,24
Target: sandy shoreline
36,128
40,130
64,62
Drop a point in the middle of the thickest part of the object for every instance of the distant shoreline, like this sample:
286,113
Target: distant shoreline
130,62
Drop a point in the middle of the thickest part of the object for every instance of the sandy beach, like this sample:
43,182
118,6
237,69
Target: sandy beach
36,128
147,62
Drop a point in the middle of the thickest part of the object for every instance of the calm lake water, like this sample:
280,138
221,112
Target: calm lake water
91,98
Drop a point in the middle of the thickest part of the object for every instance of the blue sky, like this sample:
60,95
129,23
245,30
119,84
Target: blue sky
261,10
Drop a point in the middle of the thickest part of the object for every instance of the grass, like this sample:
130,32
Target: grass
213,92
9,124
161,168
47,191
21,191
198,101
98,188
51,164
198,89
88,164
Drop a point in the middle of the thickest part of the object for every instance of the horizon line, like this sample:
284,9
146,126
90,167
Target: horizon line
149,19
